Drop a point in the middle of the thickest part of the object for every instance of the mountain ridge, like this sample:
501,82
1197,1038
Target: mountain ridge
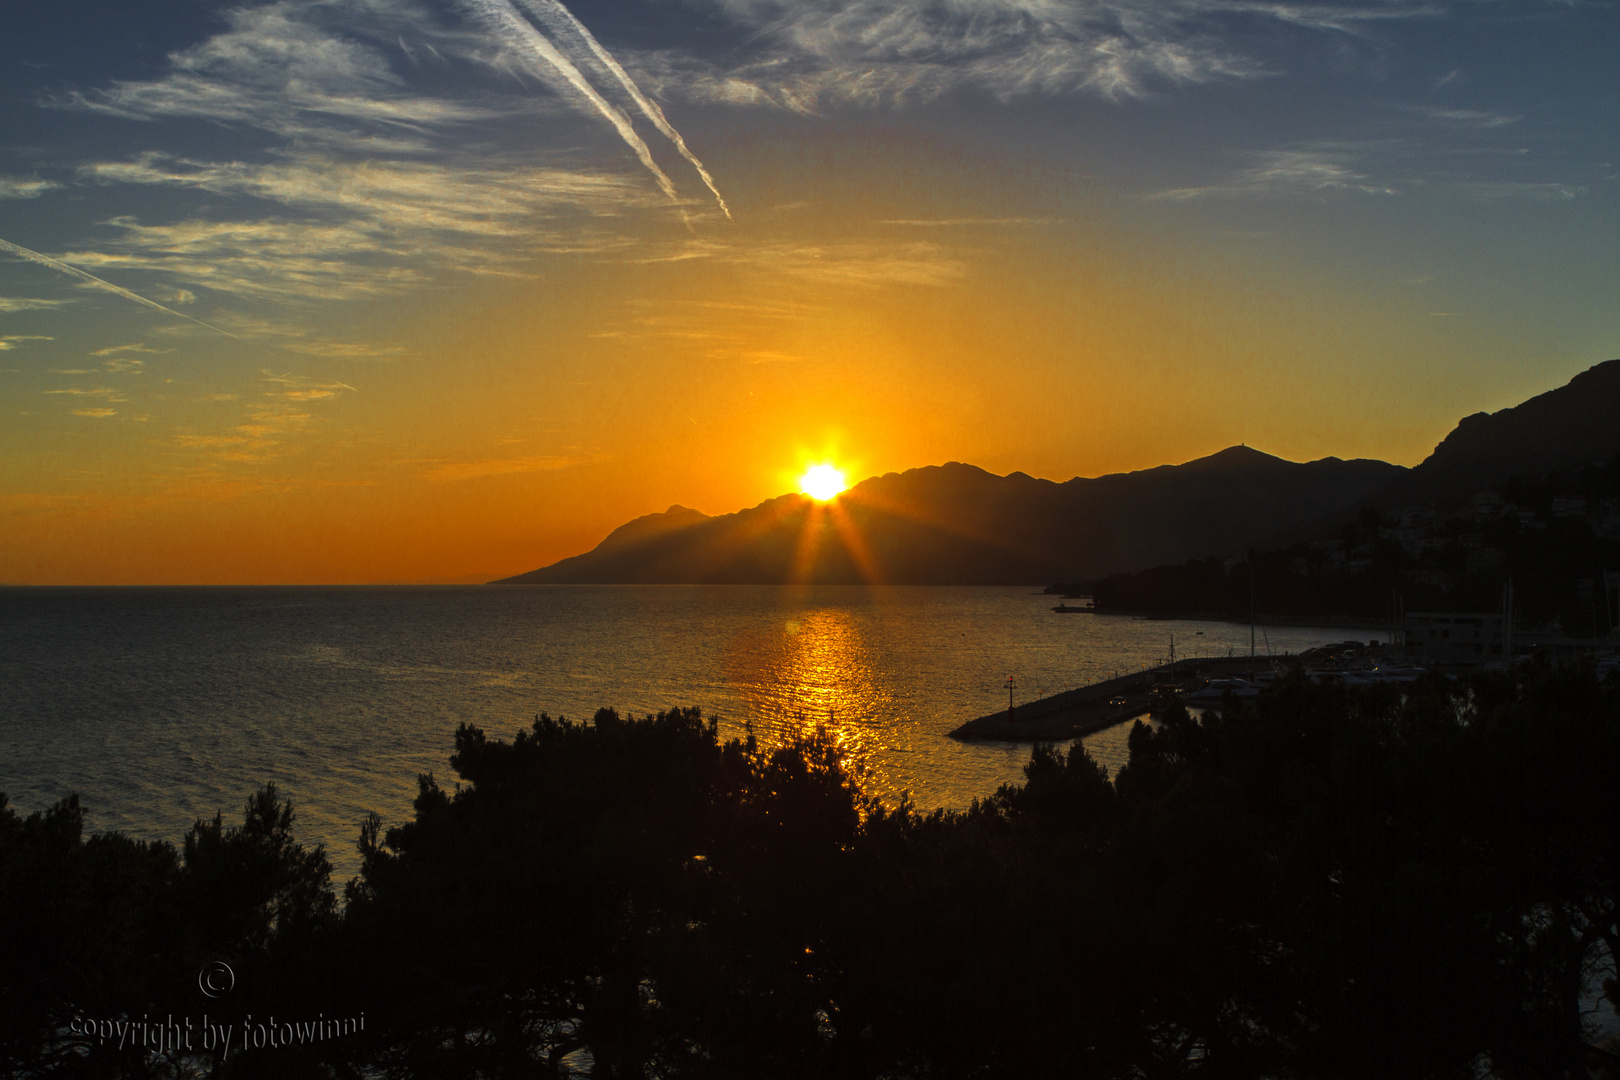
957,523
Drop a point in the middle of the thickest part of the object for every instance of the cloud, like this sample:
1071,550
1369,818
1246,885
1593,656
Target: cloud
1286,173
1464,118
736,328
10,304
416,196
113,350
270,260
95,412
928,223
563,75
347,350
1496,191
90,279
767,356
268,428
107,393
300,388
474,470
10,341
859,264
277,68
251,442
811,53
364,228
362,192
562,22
11,188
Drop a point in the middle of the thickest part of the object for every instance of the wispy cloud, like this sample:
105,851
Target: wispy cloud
810,53
90,279
1464,118
267,429
947,223
347,350
10,304
105,392
136,347
301,388
769,356
11,341
12,188
365,187
474,470
419,197
1496,191
97,413
549,63
746,331
279,68
563,23
861,264
364,228
858,263
1287,173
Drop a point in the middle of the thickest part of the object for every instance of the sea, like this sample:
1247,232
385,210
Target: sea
160,706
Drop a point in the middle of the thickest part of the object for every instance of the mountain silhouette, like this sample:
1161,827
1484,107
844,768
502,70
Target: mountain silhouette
957,524
1562,429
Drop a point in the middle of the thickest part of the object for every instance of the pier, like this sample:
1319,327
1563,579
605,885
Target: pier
1086,709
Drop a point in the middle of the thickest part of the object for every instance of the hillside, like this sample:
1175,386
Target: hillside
1562,429
958,524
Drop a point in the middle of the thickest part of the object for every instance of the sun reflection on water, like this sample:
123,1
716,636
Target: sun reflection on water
814,671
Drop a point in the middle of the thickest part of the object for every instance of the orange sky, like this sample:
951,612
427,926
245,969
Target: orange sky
468,358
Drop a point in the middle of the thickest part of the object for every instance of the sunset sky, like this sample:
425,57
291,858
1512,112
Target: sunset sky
438,290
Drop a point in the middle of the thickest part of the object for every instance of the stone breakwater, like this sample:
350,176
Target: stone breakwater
1088,709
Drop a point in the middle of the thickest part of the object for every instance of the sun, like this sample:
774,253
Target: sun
821,482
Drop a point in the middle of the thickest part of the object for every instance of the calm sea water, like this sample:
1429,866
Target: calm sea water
162,705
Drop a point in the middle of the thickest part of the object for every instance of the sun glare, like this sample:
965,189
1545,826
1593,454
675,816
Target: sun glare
821,482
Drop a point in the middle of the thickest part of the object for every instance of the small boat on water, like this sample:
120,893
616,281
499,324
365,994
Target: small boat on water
1066,608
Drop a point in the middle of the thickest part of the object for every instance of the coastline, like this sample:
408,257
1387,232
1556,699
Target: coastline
1086,710
1344,622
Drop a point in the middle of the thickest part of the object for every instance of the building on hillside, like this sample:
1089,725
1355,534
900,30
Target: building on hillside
1456,637
1569,506
1484,506
1471,637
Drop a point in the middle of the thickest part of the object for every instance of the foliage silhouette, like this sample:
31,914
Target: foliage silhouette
1326,881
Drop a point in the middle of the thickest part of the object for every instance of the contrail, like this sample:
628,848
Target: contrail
556,16
74,271
503,14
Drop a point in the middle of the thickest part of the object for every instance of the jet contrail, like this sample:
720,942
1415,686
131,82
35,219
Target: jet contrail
74,271
556,16
504,15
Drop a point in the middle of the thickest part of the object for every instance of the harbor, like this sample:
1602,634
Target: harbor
1200,682
1087,709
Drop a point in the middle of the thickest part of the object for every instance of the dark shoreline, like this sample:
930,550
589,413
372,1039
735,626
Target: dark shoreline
1337,622
1085,710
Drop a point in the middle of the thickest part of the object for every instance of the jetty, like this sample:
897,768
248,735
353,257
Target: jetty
1089,709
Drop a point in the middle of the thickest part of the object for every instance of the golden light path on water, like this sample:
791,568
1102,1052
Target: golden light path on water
814,672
